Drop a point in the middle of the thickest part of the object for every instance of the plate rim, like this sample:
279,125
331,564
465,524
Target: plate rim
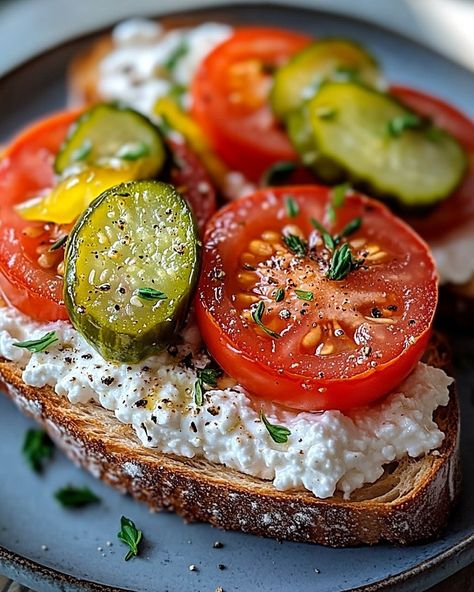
18,566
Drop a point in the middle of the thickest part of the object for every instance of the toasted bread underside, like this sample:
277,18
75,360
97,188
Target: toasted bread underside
409,503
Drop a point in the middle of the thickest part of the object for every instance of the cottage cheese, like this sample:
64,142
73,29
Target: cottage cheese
325,451
453,255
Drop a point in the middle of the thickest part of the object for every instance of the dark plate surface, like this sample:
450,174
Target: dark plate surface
29,516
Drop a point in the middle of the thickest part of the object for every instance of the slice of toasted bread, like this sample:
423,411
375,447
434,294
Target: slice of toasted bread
409,503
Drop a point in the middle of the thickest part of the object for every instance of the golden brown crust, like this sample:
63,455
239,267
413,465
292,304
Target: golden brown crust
409,503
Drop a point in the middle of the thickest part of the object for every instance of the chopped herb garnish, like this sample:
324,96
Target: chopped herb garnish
292,208
198,392
351,227
207,376
279,295
326,112
397,125
257,314
59,243
151,294
37,447
179,52
342,263
278,433
304,295
176,94
133,151
130,535
338,197
327,238
38,345
297,245
83,151
76,497
278,172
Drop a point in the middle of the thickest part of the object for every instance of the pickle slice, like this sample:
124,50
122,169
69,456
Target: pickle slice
327,59
381,143
111,136
131,265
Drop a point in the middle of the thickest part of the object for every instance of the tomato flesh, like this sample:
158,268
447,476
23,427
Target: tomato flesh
354,340
230,98
458,209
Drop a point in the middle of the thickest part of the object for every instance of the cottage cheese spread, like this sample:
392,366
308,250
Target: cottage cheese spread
325,451
453,255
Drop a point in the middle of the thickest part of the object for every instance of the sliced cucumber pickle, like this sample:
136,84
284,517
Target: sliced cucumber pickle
327,59
131,266
111,136
381,143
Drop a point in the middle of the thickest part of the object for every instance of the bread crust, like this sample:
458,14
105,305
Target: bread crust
409,503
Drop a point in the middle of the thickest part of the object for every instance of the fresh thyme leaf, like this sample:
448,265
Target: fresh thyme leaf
327,237
37,447
76,497
338,197
297,245
326,112
342,263
151,294
257,314
292,208
304,295
174,57
83,151
351,227
130,535
38,345
277,173
198,392
278,433
133,151
209,375
397,125
279,295
58,244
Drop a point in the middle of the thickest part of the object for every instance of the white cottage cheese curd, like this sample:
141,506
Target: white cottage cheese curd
454,255
325,451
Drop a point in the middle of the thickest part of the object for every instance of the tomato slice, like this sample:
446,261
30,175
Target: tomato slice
34,285
333,343
230,98
458,209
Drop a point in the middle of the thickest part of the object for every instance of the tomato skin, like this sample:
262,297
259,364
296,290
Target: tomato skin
247,139
265,366
457,209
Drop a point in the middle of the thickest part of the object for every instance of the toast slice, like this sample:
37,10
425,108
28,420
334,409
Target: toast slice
409,503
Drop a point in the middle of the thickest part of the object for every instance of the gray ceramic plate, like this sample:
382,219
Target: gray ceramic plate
77,553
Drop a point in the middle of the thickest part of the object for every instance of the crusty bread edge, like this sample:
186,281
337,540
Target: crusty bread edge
201,491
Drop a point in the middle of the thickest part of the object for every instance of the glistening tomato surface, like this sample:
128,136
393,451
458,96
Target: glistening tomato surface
332,343
29,278
230,98
458,209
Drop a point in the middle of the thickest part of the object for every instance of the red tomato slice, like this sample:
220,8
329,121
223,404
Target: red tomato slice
230,98
342,343
458,209
26,170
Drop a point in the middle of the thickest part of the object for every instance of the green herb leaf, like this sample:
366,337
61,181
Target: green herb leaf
173,59
304,295
278,172
279,295
278,433
338,197
351,227
209,375
297,245
76,497
198,393
83,151
176,94
130,535
397,125
342,263
257,314
133,151
58,244
151,294
327,237
292,208
326,112
37,447
38,345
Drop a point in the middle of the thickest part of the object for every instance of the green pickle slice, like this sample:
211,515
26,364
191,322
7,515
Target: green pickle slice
327,59
131,266
111,136
379,142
